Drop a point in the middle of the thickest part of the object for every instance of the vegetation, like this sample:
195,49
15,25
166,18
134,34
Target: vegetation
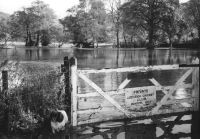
134,23
4,28
34,90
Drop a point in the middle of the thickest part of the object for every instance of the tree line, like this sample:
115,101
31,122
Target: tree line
34,25
134,23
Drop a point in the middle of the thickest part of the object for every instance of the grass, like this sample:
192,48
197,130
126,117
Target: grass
34,90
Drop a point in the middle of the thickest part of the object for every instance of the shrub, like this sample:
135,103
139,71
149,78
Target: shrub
34,89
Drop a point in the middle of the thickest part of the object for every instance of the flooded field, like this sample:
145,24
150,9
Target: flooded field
102,57
146,128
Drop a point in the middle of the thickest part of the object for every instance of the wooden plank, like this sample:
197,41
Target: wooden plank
156,83
164,89
109,108
195,83
177,85
101,92
73,64
124,84
132,69
98,110
176,101
122,91
101,116
95,94
99,102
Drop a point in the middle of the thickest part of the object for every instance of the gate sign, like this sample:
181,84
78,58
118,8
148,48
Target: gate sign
140,97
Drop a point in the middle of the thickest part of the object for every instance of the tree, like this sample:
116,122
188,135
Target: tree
58,35
148,15
4,31
97,14
85,23
115,14
133,33
77,26
29,22
171,21
44,20
192,14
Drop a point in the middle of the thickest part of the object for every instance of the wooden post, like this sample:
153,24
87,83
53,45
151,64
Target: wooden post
73,70
195,84
66,70
195,93
5,93
4,81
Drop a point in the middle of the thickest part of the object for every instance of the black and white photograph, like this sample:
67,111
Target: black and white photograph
99,69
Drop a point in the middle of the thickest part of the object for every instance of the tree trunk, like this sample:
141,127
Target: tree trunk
151,26
5,41
125,40
97,45
27,37
37,39
29,41
151,34
170,41
117,35
199,33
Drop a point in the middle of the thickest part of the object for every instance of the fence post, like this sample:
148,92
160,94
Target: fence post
195,83
195,93
73,65
65,68
5,82
5,93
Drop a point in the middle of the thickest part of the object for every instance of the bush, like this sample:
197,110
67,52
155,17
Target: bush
45,38
34,89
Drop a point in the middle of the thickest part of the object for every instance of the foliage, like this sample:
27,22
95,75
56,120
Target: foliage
192,14
86,23
99,21
34,89
148,15
45,37
30,22
115,18
98,17
173,25
58,35
4,30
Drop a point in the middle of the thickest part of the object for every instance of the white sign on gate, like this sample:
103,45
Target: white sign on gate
140,97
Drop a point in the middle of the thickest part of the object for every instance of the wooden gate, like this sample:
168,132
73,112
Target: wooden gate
131,102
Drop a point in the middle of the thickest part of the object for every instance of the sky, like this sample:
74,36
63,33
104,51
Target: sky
59,6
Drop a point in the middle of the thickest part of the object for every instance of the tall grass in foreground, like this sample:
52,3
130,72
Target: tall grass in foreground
34,89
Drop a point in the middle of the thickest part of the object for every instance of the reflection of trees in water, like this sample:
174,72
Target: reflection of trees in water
152,58
131,130
123,132
32,54
28,54
112,58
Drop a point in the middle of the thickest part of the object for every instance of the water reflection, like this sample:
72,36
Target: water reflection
102,57
135,129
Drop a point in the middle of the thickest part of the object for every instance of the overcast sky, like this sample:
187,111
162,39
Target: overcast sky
59,6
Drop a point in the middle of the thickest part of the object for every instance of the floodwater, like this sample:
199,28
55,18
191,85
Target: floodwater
102,57
113,58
